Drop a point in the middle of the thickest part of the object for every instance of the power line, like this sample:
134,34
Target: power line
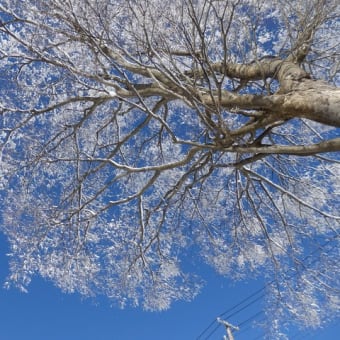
239,310
250,327
253,317
247,305
233,308
258,298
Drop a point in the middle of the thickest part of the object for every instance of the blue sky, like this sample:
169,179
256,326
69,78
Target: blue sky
45,313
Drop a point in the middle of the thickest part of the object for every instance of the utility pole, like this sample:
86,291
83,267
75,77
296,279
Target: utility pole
228,327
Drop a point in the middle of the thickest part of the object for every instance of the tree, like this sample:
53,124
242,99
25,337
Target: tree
139,136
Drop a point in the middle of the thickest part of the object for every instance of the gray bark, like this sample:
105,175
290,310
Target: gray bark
299,96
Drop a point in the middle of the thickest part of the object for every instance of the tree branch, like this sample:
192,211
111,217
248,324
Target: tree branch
332,145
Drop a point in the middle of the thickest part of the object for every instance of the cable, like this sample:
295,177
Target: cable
250,319
206,329
237,311
250,327
232,308
256,293
244,307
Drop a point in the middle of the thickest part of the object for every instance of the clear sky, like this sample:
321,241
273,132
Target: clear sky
45,313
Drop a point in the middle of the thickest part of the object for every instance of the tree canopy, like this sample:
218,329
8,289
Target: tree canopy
141,137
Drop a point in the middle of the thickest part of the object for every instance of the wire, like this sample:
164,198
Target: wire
258,298
231,309
238,311
250,319
255,316
244,307
206,329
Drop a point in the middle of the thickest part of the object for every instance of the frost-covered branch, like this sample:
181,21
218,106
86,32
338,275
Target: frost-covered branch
136,134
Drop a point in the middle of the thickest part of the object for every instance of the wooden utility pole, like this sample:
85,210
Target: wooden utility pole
228,327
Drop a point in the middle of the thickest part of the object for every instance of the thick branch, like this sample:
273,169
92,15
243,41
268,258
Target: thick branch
268,67
311,99
332,145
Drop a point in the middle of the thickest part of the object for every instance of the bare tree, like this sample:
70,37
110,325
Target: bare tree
137,134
